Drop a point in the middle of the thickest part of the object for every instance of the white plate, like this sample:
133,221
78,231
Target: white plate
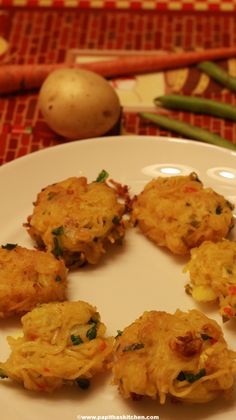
140,276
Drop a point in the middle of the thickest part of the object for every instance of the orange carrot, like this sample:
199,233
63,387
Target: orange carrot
232,290
24,77
102,346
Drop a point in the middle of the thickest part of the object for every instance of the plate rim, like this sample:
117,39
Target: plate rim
124,137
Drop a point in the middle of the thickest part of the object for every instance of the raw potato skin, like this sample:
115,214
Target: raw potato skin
179,213
78,104
77,220
153,351
27,278
62,344
212,270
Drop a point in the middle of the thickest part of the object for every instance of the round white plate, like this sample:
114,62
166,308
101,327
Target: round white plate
138,276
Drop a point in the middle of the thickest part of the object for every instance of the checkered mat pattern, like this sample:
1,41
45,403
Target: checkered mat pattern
46,37
185,5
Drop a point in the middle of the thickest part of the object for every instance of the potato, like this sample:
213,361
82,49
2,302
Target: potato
204,294
78,103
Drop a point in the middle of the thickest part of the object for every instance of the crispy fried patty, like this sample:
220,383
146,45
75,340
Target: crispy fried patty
179,213
183,355
62,343
29,277
76,220
212,270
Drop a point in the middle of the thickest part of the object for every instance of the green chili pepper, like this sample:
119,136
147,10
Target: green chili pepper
76,339
188,130
218,74
191,377
197,105
57,250
134,346
92,332
102,176
58,231
9,247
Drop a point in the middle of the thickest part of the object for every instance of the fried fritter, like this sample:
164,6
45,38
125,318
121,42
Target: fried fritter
62,343
179,213
212,270
29,277
76,220
183,355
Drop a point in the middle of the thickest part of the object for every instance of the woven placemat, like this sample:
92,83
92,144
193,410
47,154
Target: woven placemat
48,35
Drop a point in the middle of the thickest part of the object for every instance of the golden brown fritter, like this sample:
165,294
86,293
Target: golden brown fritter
29,277
212,270
62,343
179,213
183,355
76,220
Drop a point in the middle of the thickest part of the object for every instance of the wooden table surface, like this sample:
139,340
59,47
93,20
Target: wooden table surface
48,34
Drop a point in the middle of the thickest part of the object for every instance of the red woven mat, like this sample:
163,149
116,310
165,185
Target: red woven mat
46,36
159,5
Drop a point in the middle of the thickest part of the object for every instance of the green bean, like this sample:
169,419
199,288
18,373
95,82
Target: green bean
188,130
197,105
218,74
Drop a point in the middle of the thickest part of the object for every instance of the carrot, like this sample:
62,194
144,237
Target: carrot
232,290
23,77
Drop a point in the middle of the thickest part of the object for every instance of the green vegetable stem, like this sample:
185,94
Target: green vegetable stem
197,105
191,377
188,130
102,176
218,74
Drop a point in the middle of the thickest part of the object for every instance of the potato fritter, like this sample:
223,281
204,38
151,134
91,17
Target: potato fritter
29,277
179,213
76,220
62,343
212,270
183,355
